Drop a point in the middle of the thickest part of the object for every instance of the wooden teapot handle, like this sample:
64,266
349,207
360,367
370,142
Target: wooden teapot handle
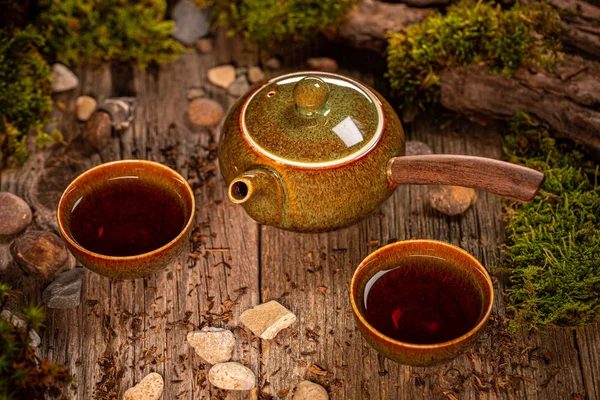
494,176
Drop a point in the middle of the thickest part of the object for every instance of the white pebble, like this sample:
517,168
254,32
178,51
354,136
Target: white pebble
215,345
231,376
86,106
149,388
63,78
268,319
222,76
307,390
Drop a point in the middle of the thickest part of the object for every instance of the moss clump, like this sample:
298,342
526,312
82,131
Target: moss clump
25,89
469,33
23,375
108,30
268,22
553,247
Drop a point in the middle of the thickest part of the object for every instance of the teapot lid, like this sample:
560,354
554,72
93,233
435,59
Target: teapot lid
312,119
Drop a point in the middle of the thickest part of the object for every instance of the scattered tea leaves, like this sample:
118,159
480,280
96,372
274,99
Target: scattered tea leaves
317,370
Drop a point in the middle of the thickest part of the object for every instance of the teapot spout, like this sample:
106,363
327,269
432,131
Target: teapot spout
241,189
259,191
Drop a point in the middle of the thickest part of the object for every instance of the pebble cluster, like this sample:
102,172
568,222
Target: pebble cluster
216,346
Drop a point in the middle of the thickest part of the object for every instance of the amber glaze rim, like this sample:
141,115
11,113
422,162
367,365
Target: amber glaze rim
431,346
323,164
82,249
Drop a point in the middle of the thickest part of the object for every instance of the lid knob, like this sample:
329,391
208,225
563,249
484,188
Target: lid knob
311,95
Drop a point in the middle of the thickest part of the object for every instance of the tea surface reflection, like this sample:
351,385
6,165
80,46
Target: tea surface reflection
127,217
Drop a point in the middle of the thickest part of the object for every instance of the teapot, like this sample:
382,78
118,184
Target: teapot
316,151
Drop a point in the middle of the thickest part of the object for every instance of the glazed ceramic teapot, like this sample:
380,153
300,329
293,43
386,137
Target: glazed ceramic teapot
313,152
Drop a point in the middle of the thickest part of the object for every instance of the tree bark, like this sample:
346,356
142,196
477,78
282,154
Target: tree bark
567,99
580,27
367,26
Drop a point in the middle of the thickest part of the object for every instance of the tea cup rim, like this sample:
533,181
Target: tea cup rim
101,256
431,346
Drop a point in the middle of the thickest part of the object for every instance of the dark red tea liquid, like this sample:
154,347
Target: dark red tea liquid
425,300
127,217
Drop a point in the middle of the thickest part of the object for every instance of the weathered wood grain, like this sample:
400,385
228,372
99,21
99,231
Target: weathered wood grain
367,26
142,324
307,263
588,346
565,99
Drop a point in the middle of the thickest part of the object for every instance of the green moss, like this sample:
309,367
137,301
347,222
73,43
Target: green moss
23,375
268,22
108,30
25,89
553,247
469,33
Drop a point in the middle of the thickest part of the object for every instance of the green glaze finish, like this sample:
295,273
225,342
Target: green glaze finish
265,192
313,197
311,119
137,266
456,261
310,96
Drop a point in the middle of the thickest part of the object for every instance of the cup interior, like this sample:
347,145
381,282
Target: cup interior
422,293
156,184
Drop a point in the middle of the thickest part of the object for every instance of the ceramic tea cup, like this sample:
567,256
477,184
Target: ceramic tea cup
126,219
421,302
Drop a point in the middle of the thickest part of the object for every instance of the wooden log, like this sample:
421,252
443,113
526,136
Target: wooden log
580,26
367,26
567,99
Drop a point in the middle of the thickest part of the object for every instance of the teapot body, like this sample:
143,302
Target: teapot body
307,198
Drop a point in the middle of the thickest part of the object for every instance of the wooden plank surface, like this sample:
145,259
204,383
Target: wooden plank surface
124,330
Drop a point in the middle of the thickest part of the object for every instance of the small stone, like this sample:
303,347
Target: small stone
194,93
15,214
214,345
86,106
307,390
222,76
65,291
98,130
191,22
34,338
231,376
121,111
451,200
267,319
205,112
272,63
415,148
255,74
204,45
63,78
39,254
323,64
239,87
149,388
